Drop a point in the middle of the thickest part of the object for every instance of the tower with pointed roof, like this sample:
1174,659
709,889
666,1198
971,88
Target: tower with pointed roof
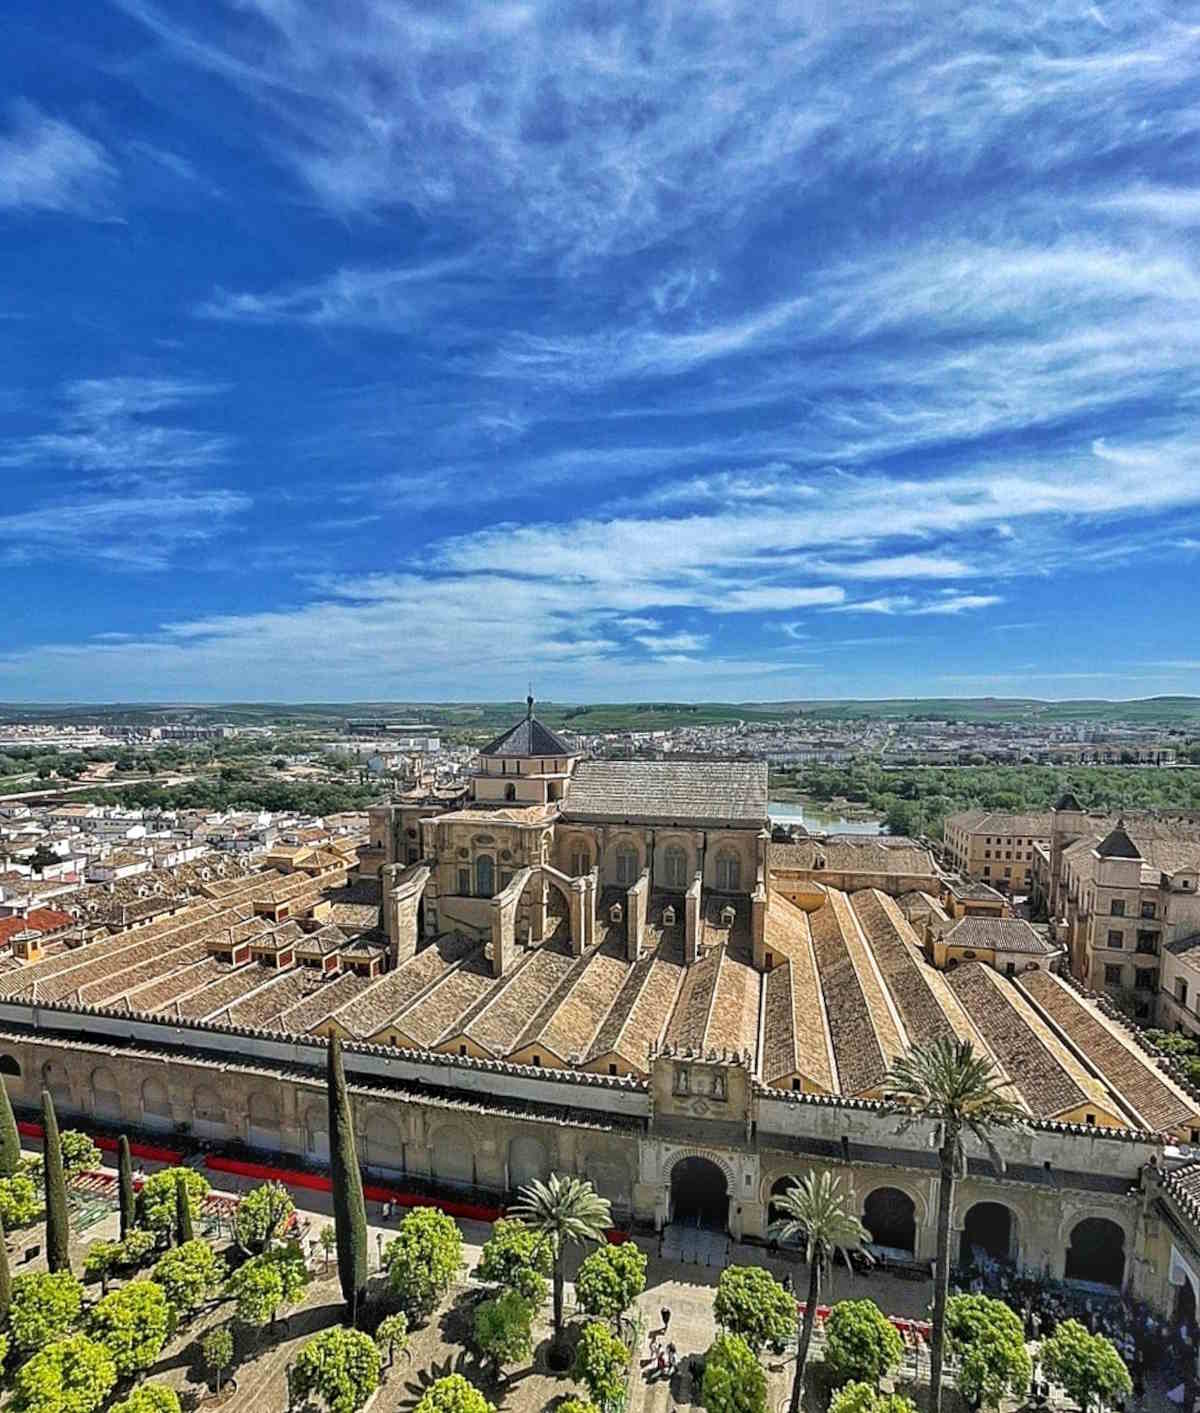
526,765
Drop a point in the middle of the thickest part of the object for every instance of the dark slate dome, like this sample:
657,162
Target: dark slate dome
528,738
1069,802
1118,844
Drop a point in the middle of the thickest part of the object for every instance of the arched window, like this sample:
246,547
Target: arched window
510,792
627,866
675,867
485,876
729,873
581,862
9,1065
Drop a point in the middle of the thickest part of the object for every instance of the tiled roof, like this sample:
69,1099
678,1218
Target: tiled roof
1039,1068
1160,1104
36,920
321,1002
1000,934
1117,844
528,738
898,955
388,995
568,1020
733,792
1035,826
846,856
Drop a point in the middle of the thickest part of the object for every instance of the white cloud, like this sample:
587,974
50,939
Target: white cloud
673,642
48,165
959,603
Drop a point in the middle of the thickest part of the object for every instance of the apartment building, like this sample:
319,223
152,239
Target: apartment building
1123,897
996,848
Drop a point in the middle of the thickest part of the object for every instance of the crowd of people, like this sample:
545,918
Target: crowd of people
1143,1339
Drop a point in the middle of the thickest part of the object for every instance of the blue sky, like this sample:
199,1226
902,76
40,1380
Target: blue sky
706,350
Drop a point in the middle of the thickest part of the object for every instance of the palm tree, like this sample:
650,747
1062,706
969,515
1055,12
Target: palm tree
815,1209
961,1092
564,1209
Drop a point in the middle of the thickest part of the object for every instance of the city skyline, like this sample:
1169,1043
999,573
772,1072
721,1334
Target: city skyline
706,356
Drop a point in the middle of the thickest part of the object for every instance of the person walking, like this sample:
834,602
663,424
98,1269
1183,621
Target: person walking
666,1318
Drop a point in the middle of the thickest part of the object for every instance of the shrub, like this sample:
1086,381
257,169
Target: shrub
610,1280
424,1259
453,1394
136,1249
392,1335
261,1216
79,1153
157,1197
133,1324
189,1275
517,1258
862,1398
71,1375
100,1260
601,1364
264,1285
734,1381
860,1344
504,1329
216,1349
750,1302
1086,1365
340,1366
990,1343
149,1398
43,1307
20,1202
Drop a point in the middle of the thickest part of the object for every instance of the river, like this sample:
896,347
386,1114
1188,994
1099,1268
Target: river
818,820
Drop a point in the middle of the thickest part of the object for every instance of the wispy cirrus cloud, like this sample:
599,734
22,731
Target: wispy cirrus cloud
46,164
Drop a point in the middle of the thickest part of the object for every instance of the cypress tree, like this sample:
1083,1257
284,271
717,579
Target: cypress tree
58,1227
5,1279
183,1211
10,1139
125,1186
349,1210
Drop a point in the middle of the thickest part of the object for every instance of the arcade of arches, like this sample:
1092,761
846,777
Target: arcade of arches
1096,1252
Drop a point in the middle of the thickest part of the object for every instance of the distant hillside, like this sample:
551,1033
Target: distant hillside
616,716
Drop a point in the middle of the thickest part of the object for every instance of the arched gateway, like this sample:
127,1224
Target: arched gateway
699,1194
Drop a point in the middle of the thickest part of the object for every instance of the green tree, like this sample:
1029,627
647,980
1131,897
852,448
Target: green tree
189,1275
133,1324
862,1398
149,1398
328,1240
99,1261
860,1343
734,1381
563,1210
58,1226
1086,1365
577,1405
136,1249
157,1198
261,1216
423,1260
70,1375
602,1365
268,1283
216,1350
125,1193
750,1302
515,1257
349,1209
10,1136
392,1335
610,1279
20,1204
182,1228
989,1340
341,1367
44,1306
960,1093
453,1394
815,1211
504,1329
79,1153
5,1282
